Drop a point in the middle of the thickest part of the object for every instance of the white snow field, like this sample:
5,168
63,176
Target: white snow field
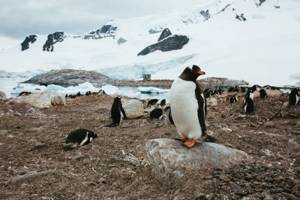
264,49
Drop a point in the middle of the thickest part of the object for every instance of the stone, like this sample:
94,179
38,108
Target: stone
41,100
121,41
174,42
133,108
69,77
58,100
212,101
27,41
169,156
2,96
164,34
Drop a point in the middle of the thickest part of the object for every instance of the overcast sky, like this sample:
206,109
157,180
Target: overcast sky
22,17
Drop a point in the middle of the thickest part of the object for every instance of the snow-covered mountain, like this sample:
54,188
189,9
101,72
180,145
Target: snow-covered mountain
254,40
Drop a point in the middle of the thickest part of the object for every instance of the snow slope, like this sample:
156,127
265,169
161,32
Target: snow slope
263,50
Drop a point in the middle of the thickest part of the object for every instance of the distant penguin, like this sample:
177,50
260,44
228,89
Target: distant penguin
249,104
156,113
162,103
263,93
168,114
188,106
117,112
294,97
81,136
233,99
152,102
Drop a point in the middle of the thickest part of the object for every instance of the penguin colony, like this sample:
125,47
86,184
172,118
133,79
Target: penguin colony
188,103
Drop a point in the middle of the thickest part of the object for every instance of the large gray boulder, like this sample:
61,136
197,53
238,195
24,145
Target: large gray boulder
174,42
133,108
69,77
42,100
170,157
2,96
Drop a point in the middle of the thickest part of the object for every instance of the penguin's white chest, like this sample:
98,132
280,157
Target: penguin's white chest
184,108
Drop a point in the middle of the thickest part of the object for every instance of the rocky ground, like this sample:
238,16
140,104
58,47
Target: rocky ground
113,165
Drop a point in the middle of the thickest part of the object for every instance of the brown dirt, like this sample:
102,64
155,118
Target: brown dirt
32,140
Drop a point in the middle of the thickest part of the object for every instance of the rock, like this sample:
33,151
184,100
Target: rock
164,34
69,77
103,32
121,41
293,146
168,156
205,14
28,40
212,101
2,96
41,100
58,100
133,108
52,39
174,42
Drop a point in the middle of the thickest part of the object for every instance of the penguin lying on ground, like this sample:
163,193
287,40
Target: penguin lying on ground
117,112
81,136
248,102
294,97
188,106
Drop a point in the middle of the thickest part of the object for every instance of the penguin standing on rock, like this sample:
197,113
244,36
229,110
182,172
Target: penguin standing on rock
117,112
188,106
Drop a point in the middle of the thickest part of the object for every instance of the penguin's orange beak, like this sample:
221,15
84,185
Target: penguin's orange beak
200,72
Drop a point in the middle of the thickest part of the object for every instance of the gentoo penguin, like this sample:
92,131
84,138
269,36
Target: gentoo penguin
248,102
188,106
117,112
233,99
294,97
152,102
81,136
156,113
263,93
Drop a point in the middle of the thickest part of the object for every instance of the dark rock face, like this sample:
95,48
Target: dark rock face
105,31
69,77
121,41
28,40
261,2
164,34
205,14
52,39
174,42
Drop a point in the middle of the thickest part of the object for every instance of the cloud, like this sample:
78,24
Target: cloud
20,18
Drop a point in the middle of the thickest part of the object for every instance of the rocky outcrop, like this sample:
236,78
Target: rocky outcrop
205,14
42,100
69,77
105,31
52,39
164,34
174,42
133,108
121,41
2,96
213,82
170,157
28,40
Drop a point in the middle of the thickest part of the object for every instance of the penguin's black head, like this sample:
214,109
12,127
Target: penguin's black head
294,91
92,135
191,74
117,99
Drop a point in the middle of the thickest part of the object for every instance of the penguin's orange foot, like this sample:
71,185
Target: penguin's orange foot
189,142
